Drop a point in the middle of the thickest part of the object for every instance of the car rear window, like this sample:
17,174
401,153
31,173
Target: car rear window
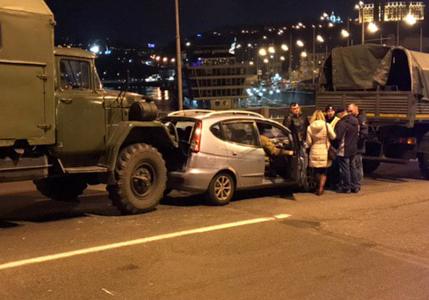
184,129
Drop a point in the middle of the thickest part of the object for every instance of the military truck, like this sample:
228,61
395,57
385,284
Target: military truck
391,85
62,130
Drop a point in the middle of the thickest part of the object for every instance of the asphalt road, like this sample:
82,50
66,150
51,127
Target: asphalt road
266,245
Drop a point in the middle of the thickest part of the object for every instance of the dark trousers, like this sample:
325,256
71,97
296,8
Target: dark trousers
359,165
349,174
333,175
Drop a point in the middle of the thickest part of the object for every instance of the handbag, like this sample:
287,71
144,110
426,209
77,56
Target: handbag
332,152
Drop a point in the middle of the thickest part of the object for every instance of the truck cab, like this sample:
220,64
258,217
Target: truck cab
63,130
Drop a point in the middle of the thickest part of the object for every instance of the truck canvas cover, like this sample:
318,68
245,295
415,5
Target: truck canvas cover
26,72
370,67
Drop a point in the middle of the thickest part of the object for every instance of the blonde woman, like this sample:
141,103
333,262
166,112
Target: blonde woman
319,135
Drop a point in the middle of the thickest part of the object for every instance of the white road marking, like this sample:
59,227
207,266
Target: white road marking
282,216
108,292
84,251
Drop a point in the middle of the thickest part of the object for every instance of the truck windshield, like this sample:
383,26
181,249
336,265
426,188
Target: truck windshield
75,74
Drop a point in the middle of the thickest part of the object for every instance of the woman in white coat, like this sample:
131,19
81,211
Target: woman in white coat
319,136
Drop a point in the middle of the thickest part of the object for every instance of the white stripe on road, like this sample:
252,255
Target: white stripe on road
58,256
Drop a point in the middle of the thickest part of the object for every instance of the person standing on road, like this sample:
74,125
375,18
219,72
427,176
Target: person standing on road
296,122
333,172
319,134
363,135
347,131
331,116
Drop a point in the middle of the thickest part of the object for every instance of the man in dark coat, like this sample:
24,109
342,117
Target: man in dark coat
296,122
347,131
363,134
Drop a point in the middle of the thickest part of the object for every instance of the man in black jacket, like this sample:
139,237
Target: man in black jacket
347,131
354,110
296,122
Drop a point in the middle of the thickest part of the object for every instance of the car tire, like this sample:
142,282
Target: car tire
141,177
65,189
221,189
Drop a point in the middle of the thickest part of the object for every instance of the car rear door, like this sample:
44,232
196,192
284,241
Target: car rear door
247,157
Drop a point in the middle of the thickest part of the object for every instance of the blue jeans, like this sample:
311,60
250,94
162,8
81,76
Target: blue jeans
349,174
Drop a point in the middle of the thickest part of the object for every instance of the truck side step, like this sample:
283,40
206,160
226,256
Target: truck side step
89,169
25,168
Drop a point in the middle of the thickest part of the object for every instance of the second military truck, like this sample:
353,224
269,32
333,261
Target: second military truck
391,85
62,130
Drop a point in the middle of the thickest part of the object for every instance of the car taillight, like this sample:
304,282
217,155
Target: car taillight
196,138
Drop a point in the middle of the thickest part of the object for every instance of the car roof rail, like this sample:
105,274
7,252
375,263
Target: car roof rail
189,112
234,112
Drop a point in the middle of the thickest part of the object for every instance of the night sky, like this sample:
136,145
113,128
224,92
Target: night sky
136,22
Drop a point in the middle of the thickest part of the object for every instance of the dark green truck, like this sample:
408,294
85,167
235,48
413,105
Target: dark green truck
62,130
391,85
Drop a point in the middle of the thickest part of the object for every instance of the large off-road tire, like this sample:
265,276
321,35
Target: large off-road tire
141,177
424,164
66,188
221,189
370,166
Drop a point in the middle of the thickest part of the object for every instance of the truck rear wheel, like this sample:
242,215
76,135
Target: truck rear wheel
424,164
141,178
66,188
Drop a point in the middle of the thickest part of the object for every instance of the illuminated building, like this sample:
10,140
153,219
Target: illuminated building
216,79
391,11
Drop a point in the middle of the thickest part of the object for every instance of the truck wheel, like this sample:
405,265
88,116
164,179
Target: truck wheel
424,164
369,166
221,189
141,178
65,189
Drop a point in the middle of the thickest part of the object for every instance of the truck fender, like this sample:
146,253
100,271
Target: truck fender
126,133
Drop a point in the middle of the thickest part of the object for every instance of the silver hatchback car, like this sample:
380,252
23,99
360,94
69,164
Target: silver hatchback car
221,152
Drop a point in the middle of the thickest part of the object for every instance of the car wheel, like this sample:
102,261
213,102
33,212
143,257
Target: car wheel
221,189
141,178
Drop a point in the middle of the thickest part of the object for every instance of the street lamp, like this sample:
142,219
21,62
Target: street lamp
316,38
345,34
271,50
300,43
304,54
320,38
411,20
360,7
179,58
373,28
262,52
284,47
